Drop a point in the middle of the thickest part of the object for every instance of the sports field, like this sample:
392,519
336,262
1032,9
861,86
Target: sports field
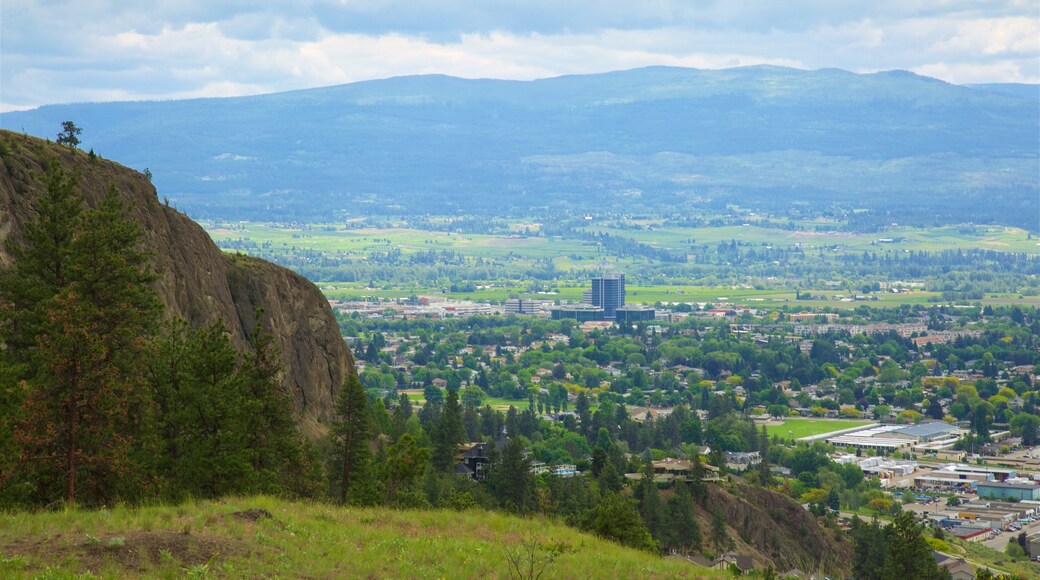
796,428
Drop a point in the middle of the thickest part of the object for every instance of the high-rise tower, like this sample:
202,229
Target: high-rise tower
608,292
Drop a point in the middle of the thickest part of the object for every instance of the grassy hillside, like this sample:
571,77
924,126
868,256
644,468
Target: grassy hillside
233,537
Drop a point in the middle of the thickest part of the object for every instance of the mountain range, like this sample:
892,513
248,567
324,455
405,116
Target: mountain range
901,146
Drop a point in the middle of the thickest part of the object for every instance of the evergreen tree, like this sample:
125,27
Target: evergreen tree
909,555
649,499
611,477
199,396
512,480
720,540
582,407
697,488
352,431
869,549
282,459
682,532
85,296
38,271
405,464
618,519
448,433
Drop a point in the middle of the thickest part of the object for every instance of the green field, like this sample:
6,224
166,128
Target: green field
361,242
677,293
498,403
902,238
233,538
796,428
518,253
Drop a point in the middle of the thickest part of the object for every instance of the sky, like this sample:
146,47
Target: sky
61,51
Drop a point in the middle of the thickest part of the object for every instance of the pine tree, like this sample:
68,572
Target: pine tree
720,540
869,549
511,478
909,555
448,433
406,463
610,477
203,424
683,533
352,432
617,518
282,459
81,291
697,487
650,502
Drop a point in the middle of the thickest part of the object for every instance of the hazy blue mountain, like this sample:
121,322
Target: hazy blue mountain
901,145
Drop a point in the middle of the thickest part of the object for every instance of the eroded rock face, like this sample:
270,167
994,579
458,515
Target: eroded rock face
197,281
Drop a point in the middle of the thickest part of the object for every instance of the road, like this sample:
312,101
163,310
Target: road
1000,542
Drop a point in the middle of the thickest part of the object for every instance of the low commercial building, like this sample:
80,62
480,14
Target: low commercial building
523,306
579,312
1002,490
927,432
975,472
632,313
887,468
939,483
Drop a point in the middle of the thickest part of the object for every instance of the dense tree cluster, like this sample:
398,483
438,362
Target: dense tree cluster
102,400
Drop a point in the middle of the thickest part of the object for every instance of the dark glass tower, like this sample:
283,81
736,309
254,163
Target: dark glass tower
608,292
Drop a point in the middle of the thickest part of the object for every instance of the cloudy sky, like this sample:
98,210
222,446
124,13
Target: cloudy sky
60,51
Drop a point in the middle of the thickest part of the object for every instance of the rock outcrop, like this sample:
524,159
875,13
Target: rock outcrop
776,530
196,281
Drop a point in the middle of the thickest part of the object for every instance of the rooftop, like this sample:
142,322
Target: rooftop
927,429
1005,485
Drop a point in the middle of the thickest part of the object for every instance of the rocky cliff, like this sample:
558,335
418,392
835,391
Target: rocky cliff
196,281
776,530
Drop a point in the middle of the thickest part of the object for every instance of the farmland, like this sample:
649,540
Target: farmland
760,262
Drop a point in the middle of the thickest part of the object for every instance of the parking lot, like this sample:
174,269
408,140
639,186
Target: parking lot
1000,541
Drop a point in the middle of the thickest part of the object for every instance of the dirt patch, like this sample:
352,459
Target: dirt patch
252,515
135,552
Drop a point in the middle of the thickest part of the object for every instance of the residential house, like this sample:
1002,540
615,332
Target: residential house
958,568
472,460
745,564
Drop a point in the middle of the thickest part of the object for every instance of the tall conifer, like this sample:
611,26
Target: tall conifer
352,431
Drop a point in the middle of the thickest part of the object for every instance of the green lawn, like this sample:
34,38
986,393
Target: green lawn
796,428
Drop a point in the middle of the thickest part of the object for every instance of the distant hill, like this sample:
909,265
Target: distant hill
910,148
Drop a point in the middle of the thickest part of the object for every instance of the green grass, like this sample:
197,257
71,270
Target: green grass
304,539
498,403
797,428
361,242
677,293
997,238
573,254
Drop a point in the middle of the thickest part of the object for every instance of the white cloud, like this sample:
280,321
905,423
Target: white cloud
92,50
